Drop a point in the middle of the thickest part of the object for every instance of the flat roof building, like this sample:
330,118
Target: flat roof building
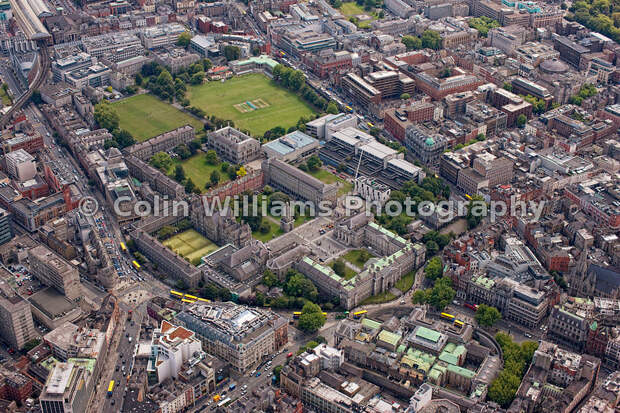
16,325
55,271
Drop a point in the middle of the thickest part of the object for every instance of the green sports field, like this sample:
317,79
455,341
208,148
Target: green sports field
146,116
191,245
269,104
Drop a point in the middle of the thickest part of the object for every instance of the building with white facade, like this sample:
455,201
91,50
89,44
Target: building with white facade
20,165
171,347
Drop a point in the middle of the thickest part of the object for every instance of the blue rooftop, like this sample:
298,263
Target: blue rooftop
290,142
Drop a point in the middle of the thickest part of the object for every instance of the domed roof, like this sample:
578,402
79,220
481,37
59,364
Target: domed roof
430,141
553,66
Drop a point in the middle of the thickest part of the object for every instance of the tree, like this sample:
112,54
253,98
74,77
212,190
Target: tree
311,318
190,186
181,285
270,279
241,172
332,108
35,97
314,163
211,157
432,247
405,96
105,115
441,294
434,268
412,42
521,120
179,173
483,24
197,78
215,177
339,267
32,344
431,40
507,86
166,232
231,53
161,161
184,39
487,315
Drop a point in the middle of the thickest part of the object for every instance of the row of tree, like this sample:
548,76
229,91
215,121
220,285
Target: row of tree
517,359
295,80
106,117
430,39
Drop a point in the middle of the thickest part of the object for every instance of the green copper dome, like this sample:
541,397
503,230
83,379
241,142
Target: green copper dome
430,141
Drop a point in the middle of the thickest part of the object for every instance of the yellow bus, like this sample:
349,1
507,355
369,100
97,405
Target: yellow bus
296,314
348,108
358,314
458,323
370,124
468,196
123,247
188,301
447,316
203,300
176,294
110,388
325,314
191,297
136,265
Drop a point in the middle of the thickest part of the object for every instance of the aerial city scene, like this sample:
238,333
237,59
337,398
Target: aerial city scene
310,206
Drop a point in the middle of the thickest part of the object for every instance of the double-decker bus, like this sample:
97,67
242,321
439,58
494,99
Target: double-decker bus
458,324
447,316
473,307
176,294
204,300
110,388
191,297
123,247
136,265
185,300
296,314
358,314
348,108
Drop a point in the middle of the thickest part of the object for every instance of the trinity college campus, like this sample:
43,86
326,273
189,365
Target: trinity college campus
309,206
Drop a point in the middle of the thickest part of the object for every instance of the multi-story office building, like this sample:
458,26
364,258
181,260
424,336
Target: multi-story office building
360,90
296,182
16,326
67,389
162,35
400,8
234,146
241,335
294,147
439,88
20,165
114,46
325,126
570,51
62,66
525,87
425,145
55,271
171,347
94,76
6,226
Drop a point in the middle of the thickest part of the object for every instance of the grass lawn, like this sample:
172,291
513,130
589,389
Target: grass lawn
348,272
379,298
351,9
219,99
355,257
274,232
327,177
406,282
6,99
197,168
146,116
190,245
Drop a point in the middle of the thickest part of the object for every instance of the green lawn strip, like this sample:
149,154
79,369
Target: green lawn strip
354,257
146,116
406,282
383,297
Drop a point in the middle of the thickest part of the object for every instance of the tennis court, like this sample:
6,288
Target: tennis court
190,245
